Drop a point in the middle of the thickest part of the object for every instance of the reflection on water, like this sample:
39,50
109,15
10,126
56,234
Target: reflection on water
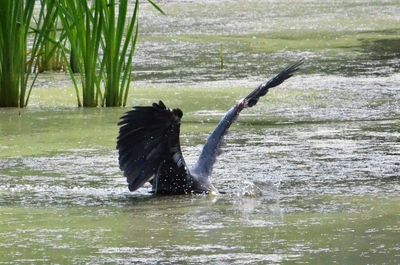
310,175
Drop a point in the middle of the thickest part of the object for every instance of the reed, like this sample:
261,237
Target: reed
103,36
51,58
120,36
17,24
83,22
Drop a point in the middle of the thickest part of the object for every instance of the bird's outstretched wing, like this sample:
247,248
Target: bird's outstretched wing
149,149
260,91
205,163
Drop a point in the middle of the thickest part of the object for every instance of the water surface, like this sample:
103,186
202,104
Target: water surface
311,175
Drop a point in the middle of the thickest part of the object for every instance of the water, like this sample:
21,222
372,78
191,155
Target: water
310,175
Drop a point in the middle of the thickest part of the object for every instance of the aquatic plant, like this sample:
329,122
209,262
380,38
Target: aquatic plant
103,39
50,57
17,24
119,38
83,22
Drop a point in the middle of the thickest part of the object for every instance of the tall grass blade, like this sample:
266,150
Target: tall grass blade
17,23
119,46
156,7
103,37
83,25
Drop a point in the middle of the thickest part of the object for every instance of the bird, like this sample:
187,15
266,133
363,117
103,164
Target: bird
149,149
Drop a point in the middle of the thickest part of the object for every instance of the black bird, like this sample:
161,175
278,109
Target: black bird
149,148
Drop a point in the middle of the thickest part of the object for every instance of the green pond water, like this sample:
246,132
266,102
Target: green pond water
311,175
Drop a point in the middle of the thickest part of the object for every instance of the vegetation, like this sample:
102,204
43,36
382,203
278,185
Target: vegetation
50,57
118,52
103,40
82,22
101,37
16,63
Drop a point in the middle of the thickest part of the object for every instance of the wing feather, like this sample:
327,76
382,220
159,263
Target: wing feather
210,151
148,144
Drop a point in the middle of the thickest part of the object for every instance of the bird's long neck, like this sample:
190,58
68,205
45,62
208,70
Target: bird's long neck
205,163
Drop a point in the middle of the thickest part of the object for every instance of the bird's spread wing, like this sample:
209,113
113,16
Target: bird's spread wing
262,90
210,150
149,149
